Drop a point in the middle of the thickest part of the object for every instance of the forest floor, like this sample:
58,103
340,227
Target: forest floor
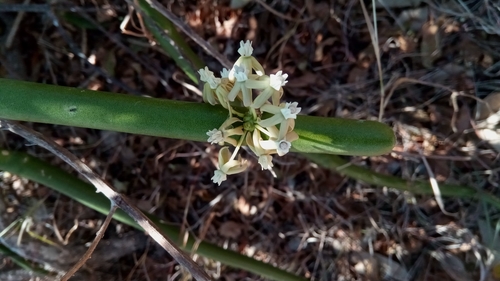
438,60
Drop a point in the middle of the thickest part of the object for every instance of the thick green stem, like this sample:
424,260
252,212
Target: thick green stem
42,103
34,169
340,165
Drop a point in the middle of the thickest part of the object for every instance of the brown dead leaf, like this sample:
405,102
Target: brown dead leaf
230,229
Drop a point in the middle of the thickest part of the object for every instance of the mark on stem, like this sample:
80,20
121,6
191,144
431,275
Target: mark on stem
72,109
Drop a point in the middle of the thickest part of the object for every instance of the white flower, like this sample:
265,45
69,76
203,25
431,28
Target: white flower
253,142
224,133
278,80
291,110
228,166
270,86
224,73
240,74
266,162
245,49
240,86
205,73
281,114
281,146
214,82
208,76
247,60
219,177
209,94
215,136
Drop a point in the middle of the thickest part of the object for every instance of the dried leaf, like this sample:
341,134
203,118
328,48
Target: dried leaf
230,229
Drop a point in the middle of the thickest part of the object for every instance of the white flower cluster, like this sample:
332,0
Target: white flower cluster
262,123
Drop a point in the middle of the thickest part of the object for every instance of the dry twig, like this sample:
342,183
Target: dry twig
374,38
90,250
115,198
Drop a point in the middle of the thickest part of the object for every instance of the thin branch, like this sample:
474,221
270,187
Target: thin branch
115,198
15,27
374,38
91,249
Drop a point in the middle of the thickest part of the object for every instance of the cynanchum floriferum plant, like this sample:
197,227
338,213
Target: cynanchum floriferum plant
246,124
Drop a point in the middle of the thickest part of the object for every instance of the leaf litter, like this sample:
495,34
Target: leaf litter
308,220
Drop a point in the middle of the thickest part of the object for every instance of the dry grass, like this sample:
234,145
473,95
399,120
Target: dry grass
307,220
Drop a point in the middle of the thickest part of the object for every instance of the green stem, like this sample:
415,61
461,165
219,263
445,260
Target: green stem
171,50
34,169
23,263
26,101
340,165
172,32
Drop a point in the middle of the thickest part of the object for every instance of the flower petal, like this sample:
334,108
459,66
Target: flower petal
234,92
278,80
234,167
257,66
269,144
271,108
247,95
224,73
224,156
219,177
208,95
245,49
259,84
240,74
215,136
271,121
283,147
266,162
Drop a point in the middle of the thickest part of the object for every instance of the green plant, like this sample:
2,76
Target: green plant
264,124
25,101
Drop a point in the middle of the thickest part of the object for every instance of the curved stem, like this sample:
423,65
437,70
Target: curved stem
342,166
34,169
